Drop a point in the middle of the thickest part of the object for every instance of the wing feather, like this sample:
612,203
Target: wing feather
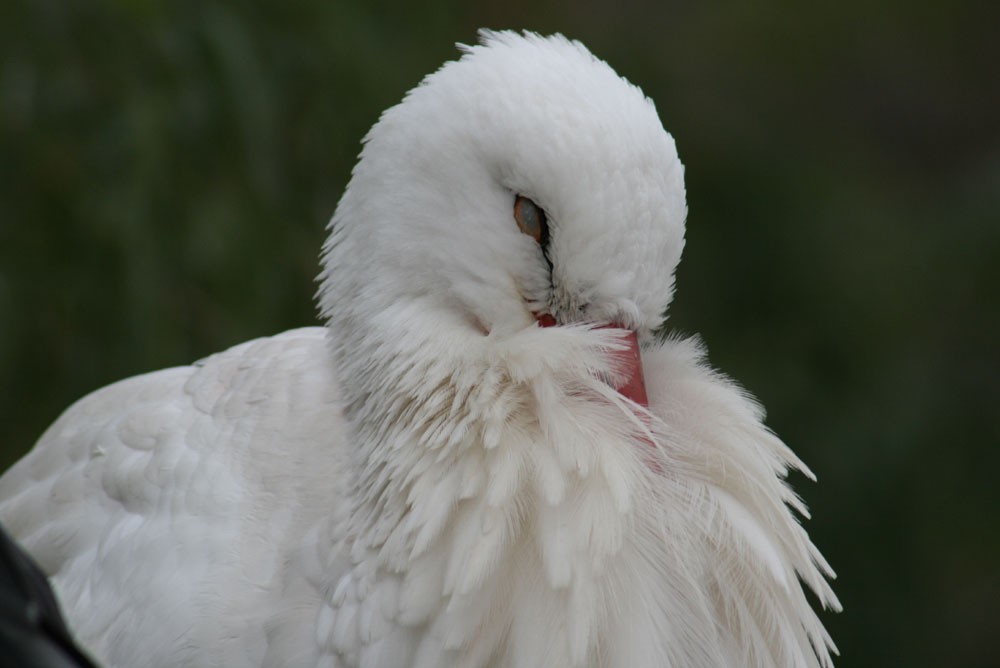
166,507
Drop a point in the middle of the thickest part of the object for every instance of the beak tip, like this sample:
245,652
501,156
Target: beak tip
634,387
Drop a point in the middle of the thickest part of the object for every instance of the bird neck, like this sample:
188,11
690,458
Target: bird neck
489,472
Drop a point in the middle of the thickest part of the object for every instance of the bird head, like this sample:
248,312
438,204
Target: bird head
524,184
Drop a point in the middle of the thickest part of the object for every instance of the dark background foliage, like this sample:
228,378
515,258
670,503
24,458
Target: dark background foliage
166,170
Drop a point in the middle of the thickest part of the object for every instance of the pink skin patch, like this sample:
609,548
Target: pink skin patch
634,387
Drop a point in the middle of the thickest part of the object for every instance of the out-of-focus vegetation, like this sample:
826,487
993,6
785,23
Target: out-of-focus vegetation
166,170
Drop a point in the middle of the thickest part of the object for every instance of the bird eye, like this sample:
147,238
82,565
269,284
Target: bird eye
531,220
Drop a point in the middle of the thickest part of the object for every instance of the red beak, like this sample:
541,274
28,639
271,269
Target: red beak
634,386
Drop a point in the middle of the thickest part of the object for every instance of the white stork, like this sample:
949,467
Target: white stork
485,458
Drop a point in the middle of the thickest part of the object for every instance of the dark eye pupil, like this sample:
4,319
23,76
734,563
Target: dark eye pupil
531,220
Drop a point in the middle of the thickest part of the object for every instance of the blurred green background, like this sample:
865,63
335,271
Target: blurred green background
166,171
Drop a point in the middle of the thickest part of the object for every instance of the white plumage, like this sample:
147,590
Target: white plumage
433,479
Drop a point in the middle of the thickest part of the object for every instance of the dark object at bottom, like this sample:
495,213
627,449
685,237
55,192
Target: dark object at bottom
32,631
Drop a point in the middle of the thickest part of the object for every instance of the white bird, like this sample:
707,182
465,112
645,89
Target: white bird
485,458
